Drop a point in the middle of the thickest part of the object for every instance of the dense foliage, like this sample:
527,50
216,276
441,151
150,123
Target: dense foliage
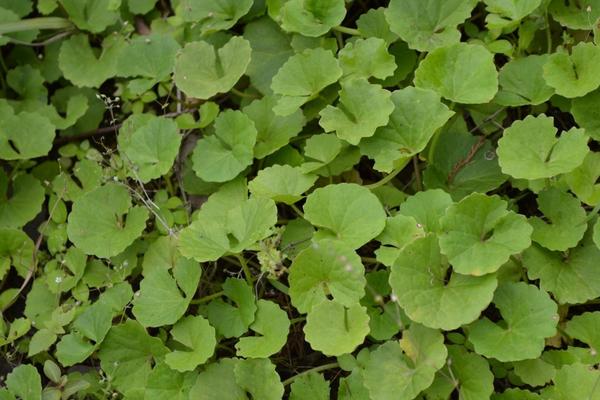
303,199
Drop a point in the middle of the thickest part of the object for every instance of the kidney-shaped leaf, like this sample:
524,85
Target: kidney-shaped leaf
529,316
346,211
196,334
103,222
312,18
529,149
574,75
202,72
281,183
272,325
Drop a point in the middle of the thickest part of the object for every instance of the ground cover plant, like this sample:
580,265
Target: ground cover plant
303,199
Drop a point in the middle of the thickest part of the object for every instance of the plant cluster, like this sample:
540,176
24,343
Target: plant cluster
303,199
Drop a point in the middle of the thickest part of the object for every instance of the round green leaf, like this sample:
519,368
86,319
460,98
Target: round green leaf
479,234
91,15
529,316
273,131
154,57
103,223
428,24
25,135
575,14
24,382
529,149
365,58
521,82
567,220
311,386
259,378
214,15
312,18
302,77
571,279
586,111
24,201
359,220
272,324
443,71
196,334
427,207
363,107
334,329
231,321
414,362
152,148
222,156
281,183
583,180
574,75
418,280
326,268
201,71
417,115
218,382
575,381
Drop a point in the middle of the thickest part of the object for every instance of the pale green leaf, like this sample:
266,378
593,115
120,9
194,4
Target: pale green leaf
198,337
272,323
574,75
281,183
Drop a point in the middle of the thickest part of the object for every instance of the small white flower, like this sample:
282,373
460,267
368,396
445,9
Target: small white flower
58,279
393,297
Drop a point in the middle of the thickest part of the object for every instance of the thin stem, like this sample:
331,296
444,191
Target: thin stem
370,260
296,320
385,179
46,42
279,286
297,210
418,180
548,34
208,298
592,214
315,369
35,24
246,269
242,94
347,31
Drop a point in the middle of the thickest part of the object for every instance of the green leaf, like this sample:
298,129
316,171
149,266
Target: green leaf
574,75
399,231
281,183
367,58
97,224
534,372
514,10
443,71
417,115
414,360
566,218
242,226
222,156
373,24
79,64
521,82
576,381
150,56
302,77
141,6
201,71
326,268
152,148
584,327
24,382
516,394
461,163
259,378
127,355
468,373
273,131
430,24
582,180
272,323
165,383
334,329
427,207
529,149
311,386
585,111
270,50
571,277
363,107
91,15
418,280
216,15
361,219
575,15
25,135
218,382
164,297
228,320
479,234
528,317
22,202
196,334
312,18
